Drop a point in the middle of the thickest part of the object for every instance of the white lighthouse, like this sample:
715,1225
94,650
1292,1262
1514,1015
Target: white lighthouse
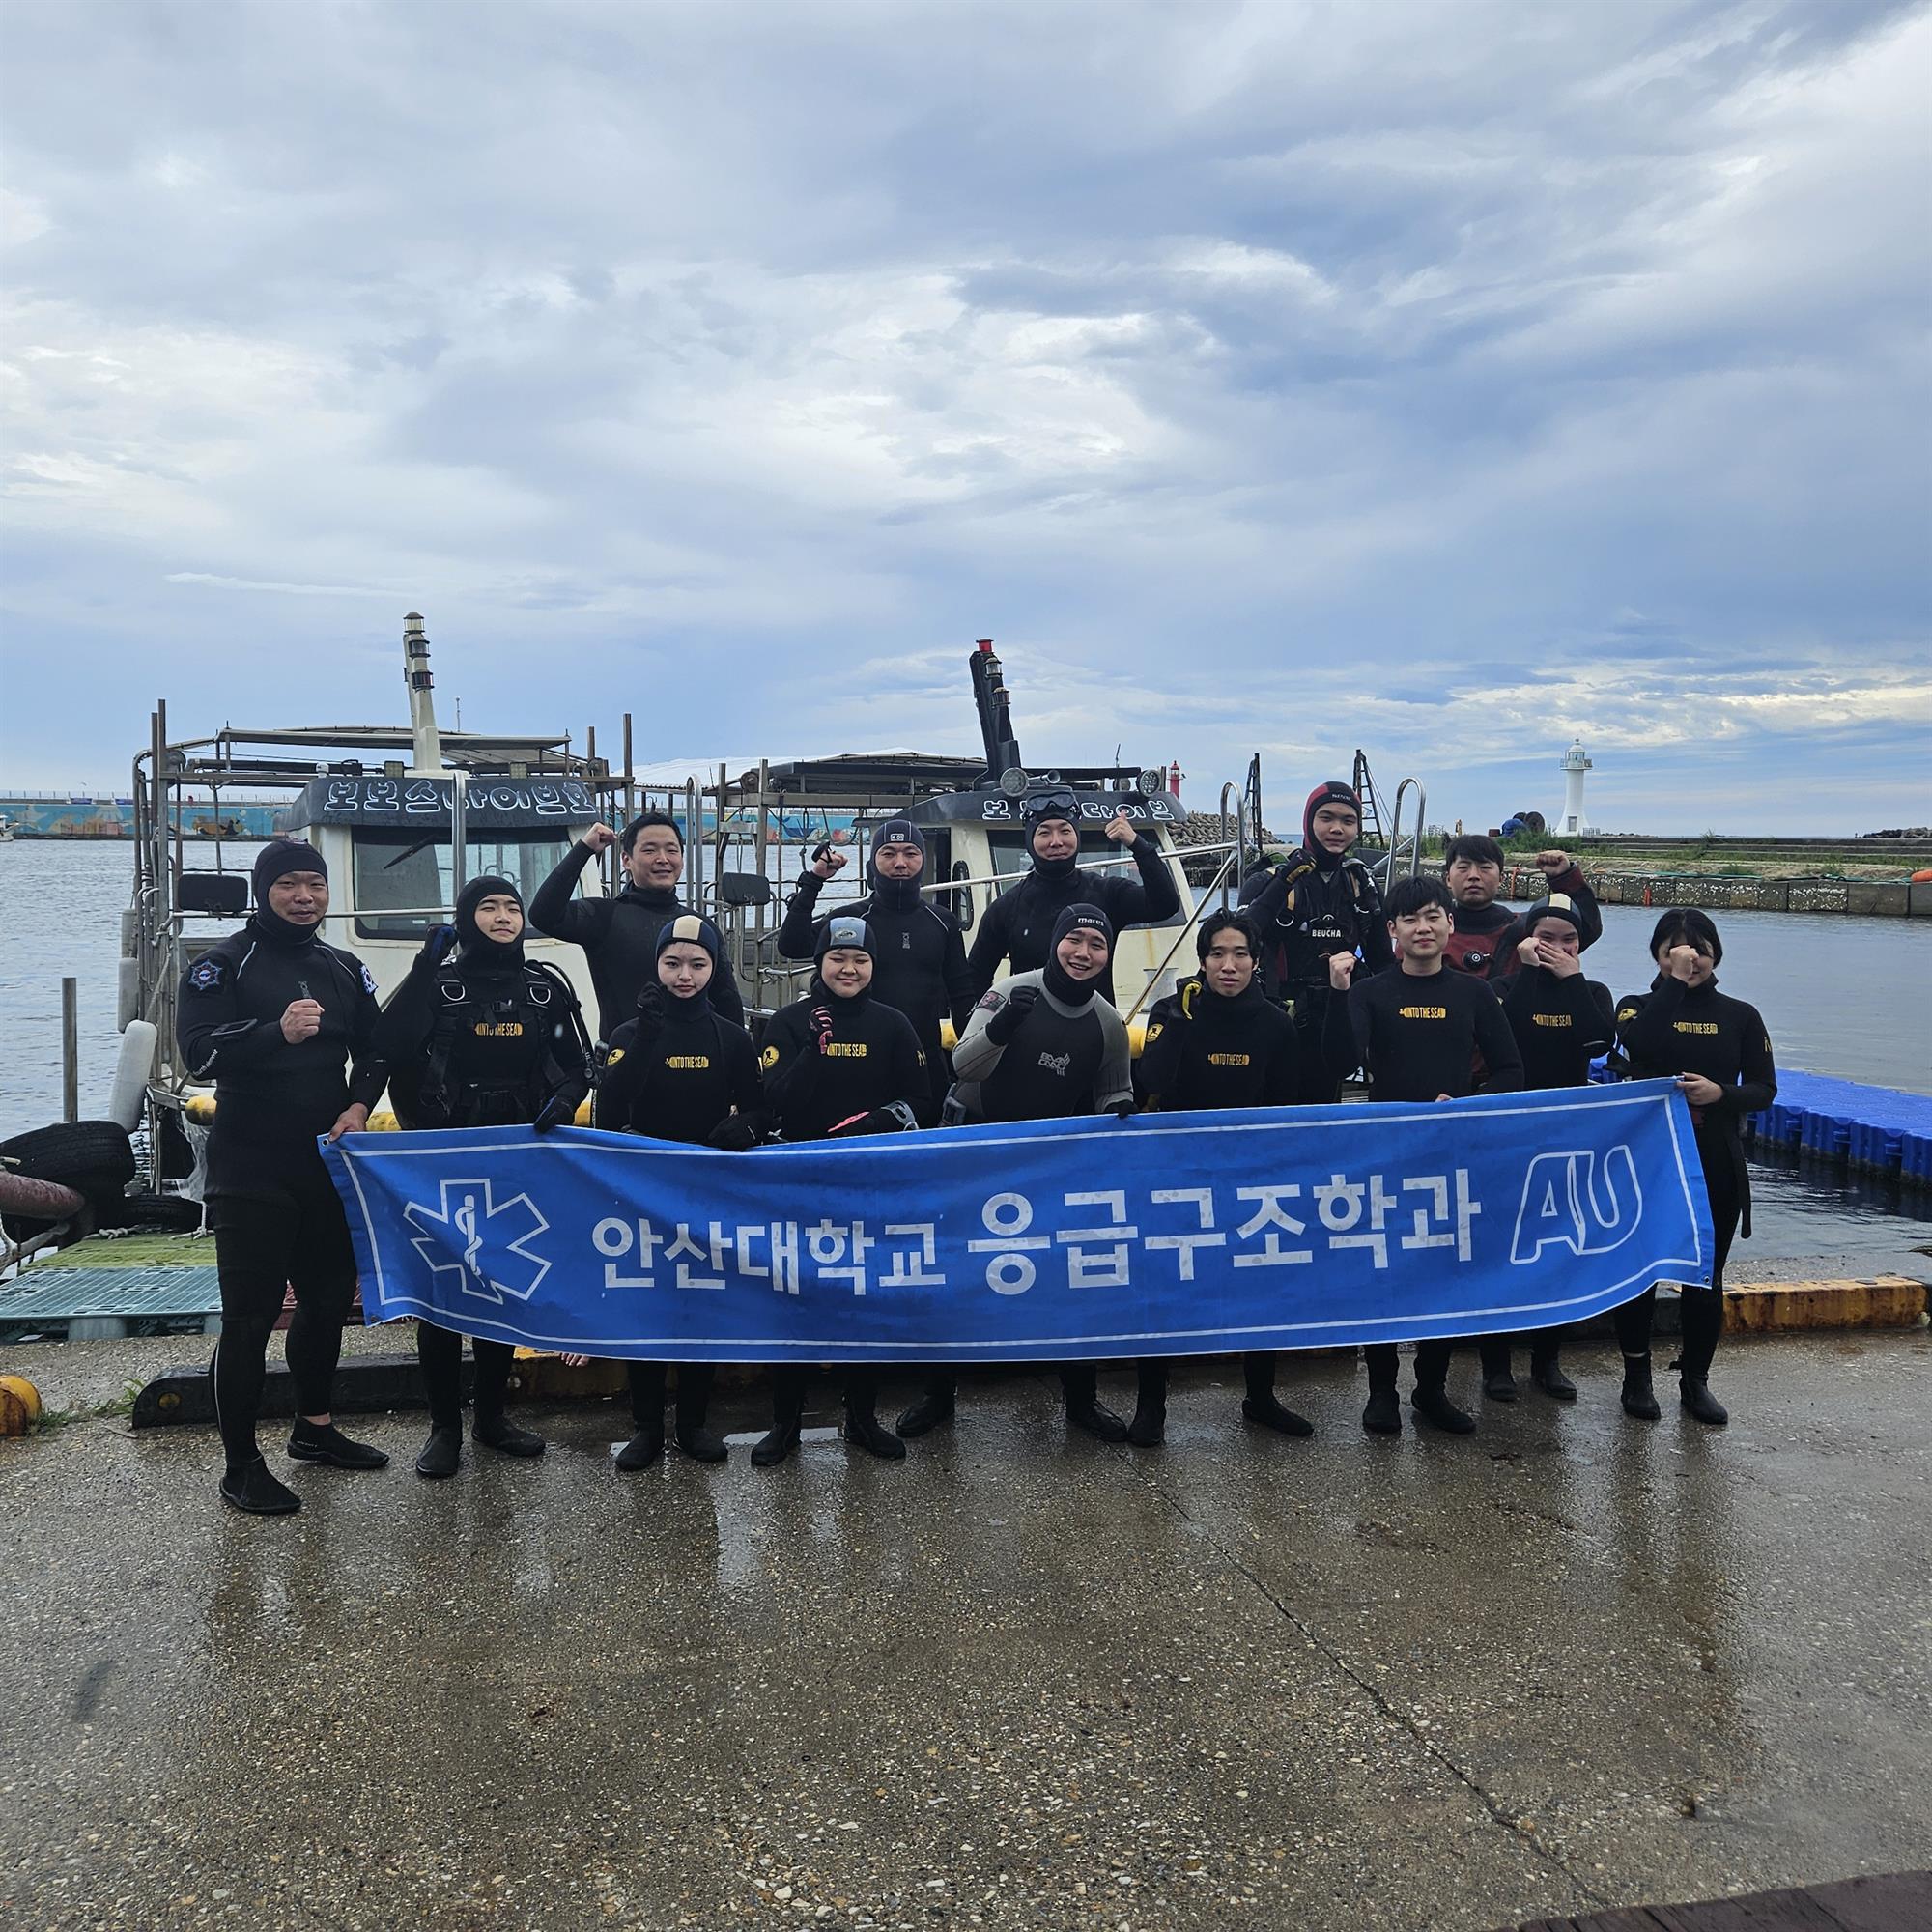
1576,762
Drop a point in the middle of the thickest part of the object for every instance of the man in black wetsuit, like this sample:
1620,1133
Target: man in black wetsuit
619,936
920,966
1315,902
679,1071
1044,1046
838,1064
1560,1021
479,1037
1418,1031
1018,925
1217,1040
272,1015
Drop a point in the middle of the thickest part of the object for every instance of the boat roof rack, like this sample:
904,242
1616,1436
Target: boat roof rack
901,774
912,775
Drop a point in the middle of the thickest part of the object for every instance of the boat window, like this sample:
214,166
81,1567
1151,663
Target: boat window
404,870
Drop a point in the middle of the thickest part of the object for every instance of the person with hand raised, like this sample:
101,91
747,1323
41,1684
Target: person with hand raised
285,1026
1018,927
619,934
1718,1052
920,962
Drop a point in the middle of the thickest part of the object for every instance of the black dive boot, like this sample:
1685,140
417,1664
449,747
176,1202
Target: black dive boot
787,1416
1431,1403
643,1448
1261,1406
933,1407
1703,1322
1499,1378
700,1443
443,1454
1081,1386
1547,1372
323,1442
494,1431
1382,1413
1640,1399
1148,1428
1699,1404
865,1431
254,1491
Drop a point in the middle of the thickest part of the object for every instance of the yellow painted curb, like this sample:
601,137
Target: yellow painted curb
1775,1307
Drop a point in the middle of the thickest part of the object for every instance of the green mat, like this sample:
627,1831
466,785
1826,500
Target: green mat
133,1251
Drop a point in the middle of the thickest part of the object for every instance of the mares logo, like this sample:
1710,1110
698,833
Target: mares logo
1569,1202
481,1242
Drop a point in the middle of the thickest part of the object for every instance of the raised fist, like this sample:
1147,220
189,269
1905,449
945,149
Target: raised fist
1011,1017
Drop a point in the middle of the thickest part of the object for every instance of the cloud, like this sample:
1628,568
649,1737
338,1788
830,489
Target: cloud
1252,373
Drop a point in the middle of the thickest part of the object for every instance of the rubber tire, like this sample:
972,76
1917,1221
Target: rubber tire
94,1157
152,1213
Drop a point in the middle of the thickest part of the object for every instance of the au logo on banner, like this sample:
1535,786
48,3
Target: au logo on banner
1295,1227
1568,1201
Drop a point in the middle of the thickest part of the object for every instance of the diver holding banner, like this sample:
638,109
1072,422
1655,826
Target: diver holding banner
1073,1240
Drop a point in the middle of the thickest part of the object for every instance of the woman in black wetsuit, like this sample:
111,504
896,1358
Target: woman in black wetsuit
1719,1053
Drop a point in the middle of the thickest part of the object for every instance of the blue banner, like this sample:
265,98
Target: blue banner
1162,1234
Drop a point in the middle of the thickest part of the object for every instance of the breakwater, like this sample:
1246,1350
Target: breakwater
1861,899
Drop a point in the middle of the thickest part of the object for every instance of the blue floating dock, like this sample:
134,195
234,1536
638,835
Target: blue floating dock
1876,1128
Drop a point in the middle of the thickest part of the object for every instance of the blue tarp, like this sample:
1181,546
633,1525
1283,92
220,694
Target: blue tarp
1165,1234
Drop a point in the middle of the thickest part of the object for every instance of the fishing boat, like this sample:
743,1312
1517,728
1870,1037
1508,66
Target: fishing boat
405,813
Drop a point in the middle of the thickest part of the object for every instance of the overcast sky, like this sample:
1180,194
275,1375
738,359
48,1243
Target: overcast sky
1442,380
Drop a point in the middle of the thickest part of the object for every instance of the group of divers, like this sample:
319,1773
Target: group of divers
1310,980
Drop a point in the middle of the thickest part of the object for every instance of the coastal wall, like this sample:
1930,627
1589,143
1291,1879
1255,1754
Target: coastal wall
1866,899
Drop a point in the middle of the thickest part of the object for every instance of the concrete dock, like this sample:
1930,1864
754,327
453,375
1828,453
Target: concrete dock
1567,1663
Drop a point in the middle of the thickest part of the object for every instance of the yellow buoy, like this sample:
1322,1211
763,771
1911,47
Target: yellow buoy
20,1404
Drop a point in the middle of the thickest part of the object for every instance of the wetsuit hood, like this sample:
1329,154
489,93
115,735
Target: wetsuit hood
1330,791
688,929
490,957
278,857
1055,976
1053,868
896,895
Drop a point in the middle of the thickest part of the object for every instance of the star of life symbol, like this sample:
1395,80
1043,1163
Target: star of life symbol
493,1236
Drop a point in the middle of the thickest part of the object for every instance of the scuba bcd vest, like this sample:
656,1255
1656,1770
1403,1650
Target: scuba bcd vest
489,1060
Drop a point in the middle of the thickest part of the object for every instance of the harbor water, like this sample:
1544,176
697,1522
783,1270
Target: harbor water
1841,996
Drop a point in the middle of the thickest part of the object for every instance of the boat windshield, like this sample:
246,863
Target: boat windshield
406,870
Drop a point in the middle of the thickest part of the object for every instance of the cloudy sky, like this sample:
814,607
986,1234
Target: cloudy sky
1443,380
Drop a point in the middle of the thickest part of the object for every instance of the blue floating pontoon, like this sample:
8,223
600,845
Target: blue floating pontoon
1877,1128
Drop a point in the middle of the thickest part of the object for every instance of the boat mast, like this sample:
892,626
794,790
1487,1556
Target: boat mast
428,743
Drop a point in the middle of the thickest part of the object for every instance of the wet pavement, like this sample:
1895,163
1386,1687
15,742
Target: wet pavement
1017,1681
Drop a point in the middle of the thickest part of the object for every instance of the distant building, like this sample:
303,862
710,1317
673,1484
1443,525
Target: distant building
1576,762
